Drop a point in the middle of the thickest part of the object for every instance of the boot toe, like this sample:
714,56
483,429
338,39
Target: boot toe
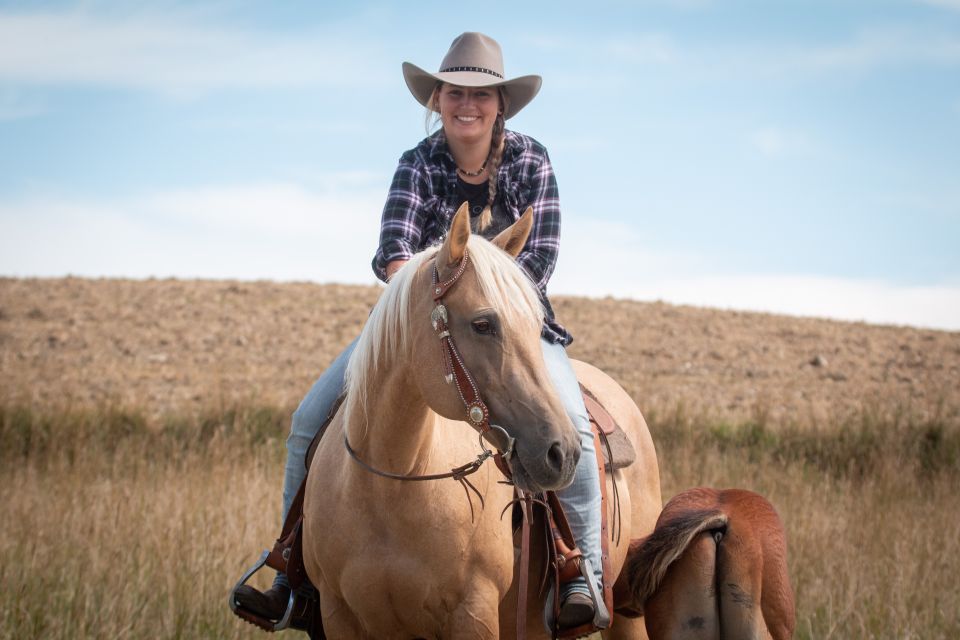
577,609
270,604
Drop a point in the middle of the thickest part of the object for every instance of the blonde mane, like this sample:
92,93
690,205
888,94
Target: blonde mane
504,285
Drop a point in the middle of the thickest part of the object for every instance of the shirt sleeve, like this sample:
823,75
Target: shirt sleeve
539,255
402,221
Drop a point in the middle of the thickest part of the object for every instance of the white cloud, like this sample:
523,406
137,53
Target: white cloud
614,60
329,234
600,258
883,47
777,141
828,297
171,54
250,232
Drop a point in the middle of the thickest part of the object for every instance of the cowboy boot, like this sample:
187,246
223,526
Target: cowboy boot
270,604
575,610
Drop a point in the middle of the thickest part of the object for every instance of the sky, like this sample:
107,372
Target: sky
798,157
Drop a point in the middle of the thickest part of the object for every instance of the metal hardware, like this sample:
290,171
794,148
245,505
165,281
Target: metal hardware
502,441
280,624
438,314
476,414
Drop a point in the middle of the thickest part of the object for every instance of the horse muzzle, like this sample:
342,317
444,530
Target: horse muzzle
544,468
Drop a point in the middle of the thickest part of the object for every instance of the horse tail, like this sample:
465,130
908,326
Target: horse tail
650,557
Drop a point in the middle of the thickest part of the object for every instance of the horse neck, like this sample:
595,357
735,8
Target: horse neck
394,431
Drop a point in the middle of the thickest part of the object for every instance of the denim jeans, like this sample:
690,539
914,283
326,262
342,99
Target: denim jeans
581,500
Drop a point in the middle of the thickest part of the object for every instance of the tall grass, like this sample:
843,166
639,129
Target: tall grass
114,526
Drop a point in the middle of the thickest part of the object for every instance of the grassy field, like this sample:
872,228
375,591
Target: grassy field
142,427
114,528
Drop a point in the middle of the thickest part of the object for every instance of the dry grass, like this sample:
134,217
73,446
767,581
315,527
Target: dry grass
138,538
141,534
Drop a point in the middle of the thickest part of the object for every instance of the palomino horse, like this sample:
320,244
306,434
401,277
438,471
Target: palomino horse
715,567
395,559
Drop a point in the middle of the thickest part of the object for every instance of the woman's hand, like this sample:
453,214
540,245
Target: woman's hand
393,267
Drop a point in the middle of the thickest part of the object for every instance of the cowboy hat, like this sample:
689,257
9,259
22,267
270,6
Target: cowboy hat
474,60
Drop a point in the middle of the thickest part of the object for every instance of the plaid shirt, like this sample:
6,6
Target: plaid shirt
423,199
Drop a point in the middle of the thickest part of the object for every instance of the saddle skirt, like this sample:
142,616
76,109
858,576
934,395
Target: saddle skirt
618,452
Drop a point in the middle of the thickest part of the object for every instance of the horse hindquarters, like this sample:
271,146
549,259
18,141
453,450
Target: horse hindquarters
711,592
719,551
685,604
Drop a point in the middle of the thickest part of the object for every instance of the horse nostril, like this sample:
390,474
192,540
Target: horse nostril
555,457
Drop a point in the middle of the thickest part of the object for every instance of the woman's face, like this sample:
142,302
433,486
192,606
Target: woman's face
468,113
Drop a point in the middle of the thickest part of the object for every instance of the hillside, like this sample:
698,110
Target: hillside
179,346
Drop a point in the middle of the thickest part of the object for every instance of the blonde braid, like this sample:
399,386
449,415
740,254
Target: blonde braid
494,158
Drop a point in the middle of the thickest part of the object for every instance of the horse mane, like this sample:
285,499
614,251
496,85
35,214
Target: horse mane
505,286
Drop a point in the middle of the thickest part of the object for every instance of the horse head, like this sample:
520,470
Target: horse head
494,315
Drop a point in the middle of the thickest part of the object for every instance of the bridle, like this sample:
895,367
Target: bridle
478,415
455,371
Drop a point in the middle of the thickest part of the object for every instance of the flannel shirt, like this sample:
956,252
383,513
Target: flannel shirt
423,199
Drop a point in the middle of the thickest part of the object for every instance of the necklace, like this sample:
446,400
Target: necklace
473,174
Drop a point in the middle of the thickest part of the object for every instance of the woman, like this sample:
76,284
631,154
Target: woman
473,158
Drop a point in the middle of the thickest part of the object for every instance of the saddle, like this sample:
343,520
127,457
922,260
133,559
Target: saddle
614,451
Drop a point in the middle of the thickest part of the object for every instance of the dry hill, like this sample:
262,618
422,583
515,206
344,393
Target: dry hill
176,346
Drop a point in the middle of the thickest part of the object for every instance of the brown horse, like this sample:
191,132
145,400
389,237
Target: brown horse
714,567
397,559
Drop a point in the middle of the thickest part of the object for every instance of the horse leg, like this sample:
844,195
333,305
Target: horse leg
477,616
739,575
685,605
339,622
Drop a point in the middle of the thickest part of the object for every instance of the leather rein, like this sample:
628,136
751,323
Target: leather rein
478,417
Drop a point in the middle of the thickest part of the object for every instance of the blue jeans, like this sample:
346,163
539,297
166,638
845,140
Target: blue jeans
581,500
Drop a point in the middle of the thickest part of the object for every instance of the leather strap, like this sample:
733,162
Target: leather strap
597,412
478,415
567,554
287,552
526,509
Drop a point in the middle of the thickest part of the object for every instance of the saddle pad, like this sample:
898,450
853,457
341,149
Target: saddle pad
618,451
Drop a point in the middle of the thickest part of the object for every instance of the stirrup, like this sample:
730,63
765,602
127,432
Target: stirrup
601,615
264,623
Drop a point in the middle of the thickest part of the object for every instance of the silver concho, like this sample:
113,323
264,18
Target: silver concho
439,313
476,414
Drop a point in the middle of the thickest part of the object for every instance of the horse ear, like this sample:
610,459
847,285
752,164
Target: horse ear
515,236
455,244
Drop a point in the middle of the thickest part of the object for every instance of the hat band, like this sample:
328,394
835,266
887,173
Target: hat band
477,69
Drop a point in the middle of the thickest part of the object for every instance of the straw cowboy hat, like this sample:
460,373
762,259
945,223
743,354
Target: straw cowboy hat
474,60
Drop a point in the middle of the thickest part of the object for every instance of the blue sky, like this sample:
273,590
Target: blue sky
796,157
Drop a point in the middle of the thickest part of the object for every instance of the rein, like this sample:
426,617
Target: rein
478,416
457,473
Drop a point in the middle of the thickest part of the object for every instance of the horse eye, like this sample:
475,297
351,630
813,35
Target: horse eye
482,327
